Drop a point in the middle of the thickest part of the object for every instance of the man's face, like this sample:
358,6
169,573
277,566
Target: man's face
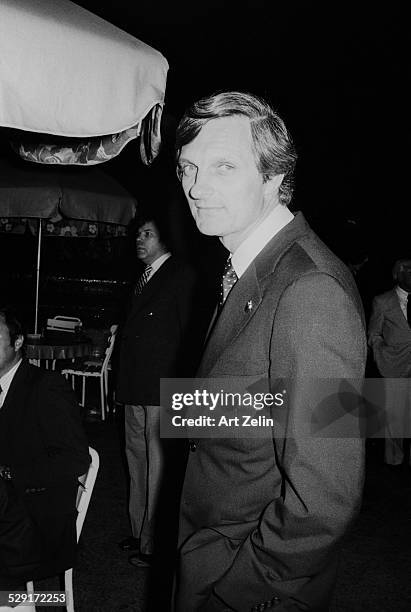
9,354
148,245
404,276
226,193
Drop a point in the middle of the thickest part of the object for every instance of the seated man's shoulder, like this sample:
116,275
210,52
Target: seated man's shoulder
40,373
48,378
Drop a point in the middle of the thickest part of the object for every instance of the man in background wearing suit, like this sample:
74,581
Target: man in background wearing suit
262,518
156,342
389,336
43,448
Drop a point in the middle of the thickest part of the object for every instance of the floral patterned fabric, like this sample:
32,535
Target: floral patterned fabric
74,151
150,139
61,227
46,149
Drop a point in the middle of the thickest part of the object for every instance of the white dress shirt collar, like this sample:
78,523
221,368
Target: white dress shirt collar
6,380
403,299
158,263
402,294
256,241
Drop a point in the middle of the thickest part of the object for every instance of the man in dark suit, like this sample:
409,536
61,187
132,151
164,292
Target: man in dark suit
262,517
43,448
389,336
21,549
156,341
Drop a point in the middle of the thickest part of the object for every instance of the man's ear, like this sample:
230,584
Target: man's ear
18,343
271,187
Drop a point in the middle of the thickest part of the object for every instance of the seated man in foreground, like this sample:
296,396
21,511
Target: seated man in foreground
43,448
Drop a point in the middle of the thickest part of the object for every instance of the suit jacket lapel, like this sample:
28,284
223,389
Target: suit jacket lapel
17,388
12,413
245,297
240,306
396,307
155,283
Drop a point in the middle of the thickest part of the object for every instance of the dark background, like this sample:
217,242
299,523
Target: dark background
334,71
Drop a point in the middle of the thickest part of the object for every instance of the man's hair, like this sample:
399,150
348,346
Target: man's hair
10,320
152,216
273,146
398,267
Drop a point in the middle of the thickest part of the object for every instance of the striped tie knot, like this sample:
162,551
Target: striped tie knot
142,281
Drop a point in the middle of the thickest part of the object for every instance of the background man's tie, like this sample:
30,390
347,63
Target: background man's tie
409,309
142,281
228,281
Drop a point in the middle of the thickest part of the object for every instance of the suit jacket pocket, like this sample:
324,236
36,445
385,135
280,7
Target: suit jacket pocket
205,557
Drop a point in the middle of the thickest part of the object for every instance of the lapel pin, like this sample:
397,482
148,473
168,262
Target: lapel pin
248,306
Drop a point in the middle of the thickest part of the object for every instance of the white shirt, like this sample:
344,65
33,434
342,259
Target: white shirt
256,241
157,264
403,298
5,381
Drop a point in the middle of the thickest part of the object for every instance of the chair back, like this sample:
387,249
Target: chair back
86,489
110,347
86,486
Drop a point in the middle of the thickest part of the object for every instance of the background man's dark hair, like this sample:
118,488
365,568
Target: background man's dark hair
398,267
154,216
12,323
273,146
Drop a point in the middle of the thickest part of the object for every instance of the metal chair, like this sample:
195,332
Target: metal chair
86,486
95,369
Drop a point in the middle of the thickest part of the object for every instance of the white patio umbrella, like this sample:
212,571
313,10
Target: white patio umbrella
65,71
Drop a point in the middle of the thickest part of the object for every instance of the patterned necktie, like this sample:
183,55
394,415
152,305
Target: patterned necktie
228,281
142,281
409,309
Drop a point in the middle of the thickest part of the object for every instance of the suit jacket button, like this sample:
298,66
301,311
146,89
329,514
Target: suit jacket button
192,446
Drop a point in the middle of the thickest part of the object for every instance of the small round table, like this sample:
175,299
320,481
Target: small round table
57,345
